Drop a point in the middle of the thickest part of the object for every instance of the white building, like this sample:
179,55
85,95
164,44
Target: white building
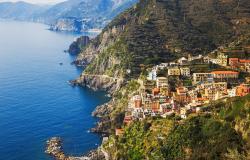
185,71
231,92
152,75
163,65
162,82
182,61
202,77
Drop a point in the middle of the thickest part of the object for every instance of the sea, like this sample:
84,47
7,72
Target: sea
36,102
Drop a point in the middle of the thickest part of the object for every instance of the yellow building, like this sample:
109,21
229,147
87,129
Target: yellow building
162,84
222,59
220,86
174,72
202,77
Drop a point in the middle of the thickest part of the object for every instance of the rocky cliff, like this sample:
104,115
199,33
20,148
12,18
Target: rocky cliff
149,33
157,31
79,44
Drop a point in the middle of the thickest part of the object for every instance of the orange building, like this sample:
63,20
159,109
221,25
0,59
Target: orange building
155,106
233,62
243,90
225,75
138,103
181,95
244,61
155,91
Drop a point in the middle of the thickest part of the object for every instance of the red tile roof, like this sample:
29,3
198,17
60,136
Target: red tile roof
224,72
244,60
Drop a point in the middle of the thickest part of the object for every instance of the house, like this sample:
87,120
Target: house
185,71
155,106
222,59
231,92
173,64
233,62
202,77
236,63
165,107
162,85
212,94
155,91
152,75
220,86
206,59
174,71
245,64
161,82
225,75
191,58
137,101
181,95
212,91
147,101
182,61
193,95
244,61
163,65
243,90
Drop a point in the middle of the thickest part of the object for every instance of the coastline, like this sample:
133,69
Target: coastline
54,145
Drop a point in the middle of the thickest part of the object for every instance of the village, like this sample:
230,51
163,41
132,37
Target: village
174,89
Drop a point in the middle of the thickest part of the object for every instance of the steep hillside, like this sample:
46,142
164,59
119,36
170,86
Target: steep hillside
223,135
162,30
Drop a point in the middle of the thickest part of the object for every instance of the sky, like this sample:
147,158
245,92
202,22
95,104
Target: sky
36,1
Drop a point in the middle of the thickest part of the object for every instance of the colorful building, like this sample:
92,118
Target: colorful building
185,71
174,71
202,77
243,90
161,82
225,75
152,75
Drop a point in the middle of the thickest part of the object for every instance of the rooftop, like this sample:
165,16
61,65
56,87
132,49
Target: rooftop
224,72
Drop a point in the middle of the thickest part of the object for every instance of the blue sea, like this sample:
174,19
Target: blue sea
36,101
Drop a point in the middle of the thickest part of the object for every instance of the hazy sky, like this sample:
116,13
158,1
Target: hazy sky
35,1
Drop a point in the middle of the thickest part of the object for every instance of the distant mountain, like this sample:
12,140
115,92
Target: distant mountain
81,15
71,15
20,10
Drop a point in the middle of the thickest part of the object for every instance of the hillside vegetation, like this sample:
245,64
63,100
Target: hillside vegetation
154,31
225,135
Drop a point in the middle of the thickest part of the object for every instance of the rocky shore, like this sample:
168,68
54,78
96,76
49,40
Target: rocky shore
54,148
98,82
78,45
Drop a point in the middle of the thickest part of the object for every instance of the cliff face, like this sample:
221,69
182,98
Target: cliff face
100,82
155,31
79,44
